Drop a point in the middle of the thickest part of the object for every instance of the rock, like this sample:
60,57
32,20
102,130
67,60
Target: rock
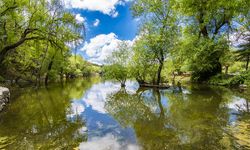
243,86
4,97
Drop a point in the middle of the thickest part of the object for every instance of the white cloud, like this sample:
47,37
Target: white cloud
115,14
108,141
80,19
96,22
107,7
101,46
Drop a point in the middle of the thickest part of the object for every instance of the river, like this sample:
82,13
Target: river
92,114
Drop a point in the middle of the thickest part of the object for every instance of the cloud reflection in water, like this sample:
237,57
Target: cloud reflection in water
104,132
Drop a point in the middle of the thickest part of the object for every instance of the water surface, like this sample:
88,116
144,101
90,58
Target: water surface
91,114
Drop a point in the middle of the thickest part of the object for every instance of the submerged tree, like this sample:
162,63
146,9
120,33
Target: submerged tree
117,64
160,26
143,65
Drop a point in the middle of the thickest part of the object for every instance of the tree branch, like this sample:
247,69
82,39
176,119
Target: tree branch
7,9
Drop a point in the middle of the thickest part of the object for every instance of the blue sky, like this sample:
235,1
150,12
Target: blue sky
107,23
124,25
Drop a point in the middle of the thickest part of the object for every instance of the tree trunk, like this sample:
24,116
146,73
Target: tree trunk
3,53
61,75
158,98
123,84
159,73
226,69
22,39
248,59
49,68
173,80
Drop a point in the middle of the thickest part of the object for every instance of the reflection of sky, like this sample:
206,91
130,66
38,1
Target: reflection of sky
238,104
131,87
107,142
76,109
102,129
151,102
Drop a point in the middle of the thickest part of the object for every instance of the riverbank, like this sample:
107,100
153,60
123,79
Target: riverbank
240,80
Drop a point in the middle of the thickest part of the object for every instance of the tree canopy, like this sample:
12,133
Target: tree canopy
37,38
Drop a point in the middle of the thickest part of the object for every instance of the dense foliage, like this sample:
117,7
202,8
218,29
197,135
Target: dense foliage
36,39
197,37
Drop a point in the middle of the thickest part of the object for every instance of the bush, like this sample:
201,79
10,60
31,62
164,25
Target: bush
236,80
1,79
232,81
236,67
219,79
246,77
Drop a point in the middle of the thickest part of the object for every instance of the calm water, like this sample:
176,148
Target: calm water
92,114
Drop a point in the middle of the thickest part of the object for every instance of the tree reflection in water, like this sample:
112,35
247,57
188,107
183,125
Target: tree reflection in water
189,121
38,119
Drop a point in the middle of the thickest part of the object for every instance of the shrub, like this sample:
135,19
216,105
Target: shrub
1,79
236,80
232,81
219,79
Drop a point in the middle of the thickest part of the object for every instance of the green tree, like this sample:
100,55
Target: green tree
209,21
117,64
143,66
243,33
37,30
227,60
160,25
243,52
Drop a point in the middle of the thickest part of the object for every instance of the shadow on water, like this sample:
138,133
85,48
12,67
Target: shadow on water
94,114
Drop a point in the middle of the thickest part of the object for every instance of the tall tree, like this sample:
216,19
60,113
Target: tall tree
117,64
143,65
243,33
160,25
209,21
